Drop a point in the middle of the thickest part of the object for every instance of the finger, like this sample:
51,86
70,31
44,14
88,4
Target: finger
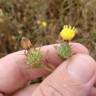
50,52
75,77
27,91
93,92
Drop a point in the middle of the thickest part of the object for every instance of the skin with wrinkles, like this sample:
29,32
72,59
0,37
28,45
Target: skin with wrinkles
68,83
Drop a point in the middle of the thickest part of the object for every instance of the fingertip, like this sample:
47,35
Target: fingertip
78,48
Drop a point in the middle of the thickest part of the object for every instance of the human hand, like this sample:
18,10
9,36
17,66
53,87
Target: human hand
75,76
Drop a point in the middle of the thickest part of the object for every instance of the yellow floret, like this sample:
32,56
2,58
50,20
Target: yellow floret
44,23
68,33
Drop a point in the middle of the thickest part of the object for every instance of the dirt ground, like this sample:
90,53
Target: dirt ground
42,20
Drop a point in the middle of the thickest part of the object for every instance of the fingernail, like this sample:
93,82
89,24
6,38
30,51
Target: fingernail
81,67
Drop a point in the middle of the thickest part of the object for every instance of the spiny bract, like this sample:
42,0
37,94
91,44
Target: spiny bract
64,51
34,58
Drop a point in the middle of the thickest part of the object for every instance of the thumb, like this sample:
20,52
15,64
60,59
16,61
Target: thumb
74,77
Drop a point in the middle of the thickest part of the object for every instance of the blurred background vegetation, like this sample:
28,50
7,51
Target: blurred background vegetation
42,20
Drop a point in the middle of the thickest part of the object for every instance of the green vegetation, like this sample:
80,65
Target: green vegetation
64,51
20,18
34,58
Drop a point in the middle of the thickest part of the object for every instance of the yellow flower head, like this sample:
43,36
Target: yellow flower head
68,32
44,23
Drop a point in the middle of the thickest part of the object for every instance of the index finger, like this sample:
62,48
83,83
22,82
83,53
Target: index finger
50,53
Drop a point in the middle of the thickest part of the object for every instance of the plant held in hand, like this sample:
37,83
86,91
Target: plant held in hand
66,34
34,57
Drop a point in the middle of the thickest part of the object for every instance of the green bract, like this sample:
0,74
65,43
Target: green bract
35,58
64,51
